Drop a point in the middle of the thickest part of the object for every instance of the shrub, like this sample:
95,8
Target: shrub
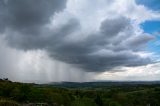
8,103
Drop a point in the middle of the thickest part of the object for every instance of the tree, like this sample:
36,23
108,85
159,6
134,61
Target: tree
98,100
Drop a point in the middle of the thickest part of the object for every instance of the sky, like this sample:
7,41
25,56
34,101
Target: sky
79,40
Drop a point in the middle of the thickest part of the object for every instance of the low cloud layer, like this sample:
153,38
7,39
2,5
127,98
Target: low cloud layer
91,35
149,72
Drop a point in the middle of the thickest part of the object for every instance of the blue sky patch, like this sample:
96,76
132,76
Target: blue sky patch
153,27
151,4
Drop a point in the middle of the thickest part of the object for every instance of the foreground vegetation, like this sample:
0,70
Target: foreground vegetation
19,94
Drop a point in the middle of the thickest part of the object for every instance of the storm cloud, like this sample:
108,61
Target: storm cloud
70,32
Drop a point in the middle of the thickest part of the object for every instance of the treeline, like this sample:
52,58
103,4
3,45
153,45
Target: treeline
19,93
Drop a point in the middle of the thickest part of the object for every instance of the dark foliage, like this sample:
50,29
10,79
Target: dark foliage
14,93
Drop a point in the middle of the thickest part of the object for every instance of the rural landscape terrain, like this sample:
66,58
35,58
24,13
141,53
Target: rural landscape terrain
80,94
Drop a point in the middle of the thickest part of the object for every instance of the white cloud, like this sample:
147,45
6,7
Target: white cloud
92,12
149,72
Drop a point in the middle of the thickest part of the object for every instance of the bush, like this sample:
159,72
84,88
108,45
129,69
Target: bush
8,103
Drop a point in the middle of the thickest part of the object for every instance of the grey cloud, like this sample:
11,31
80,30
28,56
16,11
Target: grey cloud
103,63
139,41
81,53
24,20
100,51
14,64
111,27
28,15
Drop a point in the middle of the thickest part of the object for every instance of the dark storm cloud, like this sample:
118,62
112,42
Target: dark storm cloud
103,63
23,22
111,27
102,51
27,16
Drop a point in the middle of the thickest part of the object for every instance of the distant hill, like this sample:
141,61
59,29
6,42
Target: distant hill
102,84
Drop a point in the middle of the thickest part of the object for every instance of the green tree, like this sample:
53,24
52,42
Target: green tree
98,100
